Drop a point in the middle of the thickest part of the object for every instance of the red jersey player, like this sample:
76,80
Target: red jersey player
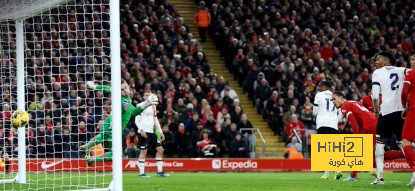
366,101
408,133
360,119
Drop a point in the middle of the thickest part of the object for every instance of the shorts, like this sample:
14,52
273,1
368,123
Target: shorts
408,131
373,132
390,124
150,142
327,130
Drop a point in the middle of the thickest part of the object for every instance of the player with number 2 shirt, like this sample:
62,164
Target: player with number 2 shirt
388,81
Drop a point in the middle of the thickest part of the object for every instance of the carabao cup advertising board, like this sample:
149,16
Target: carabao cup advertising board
187,164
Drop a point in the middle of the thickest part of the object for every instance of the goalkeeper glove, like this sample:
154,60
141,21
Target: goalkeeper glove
152,100
90,85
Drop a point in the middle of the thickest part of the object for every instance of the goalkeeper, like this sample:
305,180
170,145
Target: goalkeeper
128,111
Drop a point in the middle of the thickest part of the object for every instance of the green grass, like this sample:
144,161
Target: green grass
303,181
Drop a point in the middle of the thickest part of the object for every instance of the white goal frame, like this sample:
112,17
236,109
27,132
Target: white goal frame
117,181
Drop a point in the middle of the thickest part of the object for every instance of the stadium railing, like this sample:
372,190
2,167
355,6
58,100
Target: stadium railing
252,142
305,140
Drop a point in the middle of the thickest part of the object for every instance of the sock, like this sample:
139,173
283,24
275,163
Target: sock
99,159
379,153
393,154
409,155
159,164
353,174
141,163
91,143
326,173
399,143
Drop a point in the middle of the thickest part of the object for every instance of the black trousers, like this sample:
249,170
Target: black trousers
202,33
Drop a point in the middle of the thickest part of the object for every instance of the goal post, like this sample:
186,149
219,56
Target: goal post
52,47
116,95
21,134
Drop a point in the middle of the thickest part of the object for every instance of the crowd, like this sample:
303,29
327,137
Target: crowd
279,50
199,112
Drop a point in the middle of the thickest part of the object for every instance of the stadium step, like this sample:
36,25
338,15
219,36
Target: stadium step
270,155
274,145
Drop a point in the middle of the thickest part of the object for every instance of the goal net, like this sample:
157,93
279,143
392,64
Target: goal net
65,44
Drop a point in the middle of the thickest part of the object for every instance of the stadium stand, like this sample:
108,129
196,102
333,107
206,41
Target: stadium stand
158,54
290,46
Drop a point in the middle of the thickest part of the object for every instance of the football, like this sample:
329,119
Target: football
20,118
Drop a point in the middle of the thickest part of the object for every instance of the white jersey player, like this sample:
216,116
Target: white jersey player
388,81
326,116
148,125
325,111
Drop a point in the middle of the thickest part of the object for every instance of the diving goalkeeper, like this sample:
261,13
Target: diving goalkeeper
128,111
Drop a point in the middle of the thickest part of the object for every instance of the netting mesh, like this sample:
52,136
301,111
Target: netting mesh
65,44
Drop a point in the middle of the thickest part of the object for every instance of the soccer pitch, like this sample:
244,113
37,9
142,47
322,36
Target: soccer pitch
303,181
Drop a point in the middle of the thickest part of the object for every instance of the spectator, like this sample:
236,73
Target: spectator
206,111
279,110
169,141
169,114
232,94
82,134
245,124
131,141
218,107
236,116
6,115
191,124
180,108
251,76
206,147
210,124
222,116
219,138
287,117
293,150
307,118
262,93
68,145
194,138
227,100
238,148
236,103
231,134
31,143
202,20
183,146
246,128
294,143
296,125
43,141
56,135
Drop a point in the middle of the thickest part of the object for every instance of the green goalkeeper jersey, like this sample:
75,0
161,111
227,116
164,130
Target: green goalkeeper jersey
127,109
